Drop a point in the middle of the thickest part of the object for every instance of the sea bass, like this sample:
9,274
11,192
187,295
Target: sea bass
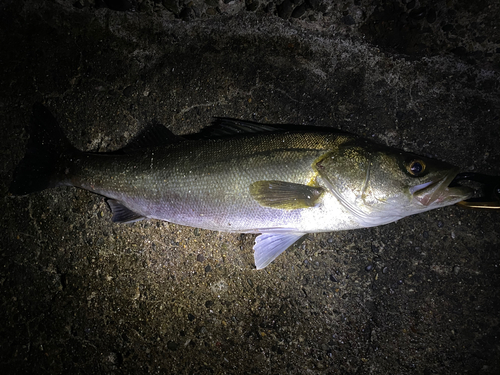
278,182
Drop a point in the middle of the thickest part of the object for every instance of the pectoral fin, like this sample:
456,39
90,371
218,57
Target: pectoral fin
285,195
269,245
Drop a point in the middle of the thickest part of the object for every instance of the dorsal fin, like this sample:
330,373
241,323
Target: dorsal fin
235,126
227,127
154,135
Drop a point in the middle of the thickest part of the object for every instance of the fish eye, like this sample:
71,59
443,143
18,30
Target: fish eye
415,167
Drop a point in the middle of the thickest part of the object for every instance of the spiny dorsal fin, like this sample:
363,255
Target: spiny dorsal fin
244,126
284,195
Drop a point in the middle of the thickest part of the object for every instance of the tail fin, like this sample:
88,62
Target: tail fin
47,145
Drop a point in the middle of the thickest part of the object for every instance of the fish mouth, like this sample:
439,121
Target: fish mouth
439,193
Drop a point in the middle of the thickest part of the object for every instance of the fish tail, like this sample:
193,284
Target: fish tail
47,147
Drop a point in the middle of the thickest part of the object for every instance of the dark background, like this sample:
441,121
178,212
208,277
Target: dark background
82,295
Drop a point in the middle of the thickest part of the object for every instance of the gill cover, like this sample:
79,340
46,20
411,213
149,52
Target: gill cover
346,173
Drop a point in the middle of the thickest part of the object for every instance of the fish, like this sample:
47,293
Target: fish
278,181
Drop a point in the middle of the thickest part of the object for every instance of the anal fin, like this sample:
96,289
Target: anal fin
121,213
269,245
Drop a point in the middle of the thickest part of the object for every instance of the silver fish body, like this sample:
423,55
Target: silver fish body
281,184
206,183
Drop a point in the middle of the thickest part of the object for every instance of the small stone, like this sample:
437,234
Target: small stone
211,11
172,345
418,13
285,9
348,20
171,5
79,4
431,16
299,11
252,5
128,91
447,27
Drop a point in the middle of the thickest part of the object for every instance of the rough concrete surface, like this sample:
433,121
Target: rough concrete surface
81,295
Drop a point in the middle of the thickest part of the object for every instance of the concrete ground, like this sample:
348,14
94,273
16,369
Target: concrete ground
81,295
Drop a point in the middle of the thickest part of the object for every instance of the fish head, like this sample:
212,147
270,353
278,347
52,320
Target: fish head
380,185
